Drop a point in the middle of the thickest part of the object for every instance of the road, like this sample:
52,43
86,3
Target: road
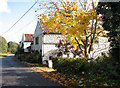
16,74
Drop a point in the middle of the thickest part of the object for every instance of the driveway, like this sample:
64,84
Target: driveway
16,74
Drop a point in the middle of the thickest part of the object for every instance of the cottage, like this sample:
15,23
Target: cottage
45,43
26,42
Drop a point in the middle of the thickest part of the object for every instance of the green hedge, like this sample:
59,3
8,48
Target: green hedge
101,67
71,65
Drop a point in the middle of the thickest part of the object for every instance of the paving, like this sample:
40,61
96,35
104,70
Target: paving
16,74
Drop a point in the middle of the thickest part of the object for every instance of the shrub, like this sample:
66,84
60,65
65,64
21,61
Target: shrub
71,65
106,67
34,57
101,67
37,58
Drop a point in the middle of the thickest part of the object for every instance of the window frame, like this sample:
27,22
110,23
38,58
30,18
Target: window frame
37,40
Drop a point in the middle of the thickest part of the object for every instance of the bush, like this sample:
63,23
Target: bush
37,57
71,65
105,67
101,67
34,57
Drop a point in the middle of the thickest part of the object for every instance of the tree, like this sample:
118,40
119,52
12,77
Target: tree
3,45
77,23
111,19
12,47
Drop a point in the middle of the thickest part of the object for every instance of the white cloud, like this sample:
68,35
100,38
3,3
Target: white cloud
1,24
16,35
21,0
4,6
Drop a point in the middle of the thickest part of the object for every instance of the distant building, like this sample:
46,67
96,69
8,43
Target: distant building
26,42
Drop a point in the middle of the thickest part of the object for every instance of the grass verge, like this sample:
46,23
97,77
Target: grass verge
2,55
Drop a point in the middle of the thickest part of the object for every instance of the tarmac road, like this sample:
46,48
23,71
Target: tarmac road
16,74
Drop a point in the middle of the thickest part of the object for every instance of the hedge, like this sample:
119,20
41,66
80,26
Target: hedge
102,67
71,65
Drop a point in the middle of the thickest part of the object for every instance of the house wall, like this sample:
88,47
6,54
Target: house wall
51,38
102,46
48,46
37,33
38,46
22,41
26,44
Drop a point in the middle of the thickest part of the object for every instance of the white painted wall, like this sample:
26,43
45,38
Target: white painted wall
102,47
26,44
48,46
22,41
37,33
51,38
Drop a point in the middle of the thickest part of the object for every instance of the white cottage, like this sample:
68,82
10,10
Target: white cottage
26,41
37,38
45,43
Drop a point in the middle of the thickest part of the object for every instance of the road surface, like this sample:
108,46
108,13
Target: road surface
16,74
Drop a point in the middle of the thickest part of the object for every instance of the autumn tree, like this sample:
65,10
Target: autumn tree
77,22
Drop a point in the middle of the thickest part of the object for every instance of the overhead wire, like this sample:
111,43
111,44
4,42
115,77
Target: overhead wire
21,17
24,26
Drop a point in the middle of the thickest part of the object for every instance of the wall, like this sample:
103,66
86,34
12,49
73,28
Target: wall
37,33
22,41
48,47
102,46
26,44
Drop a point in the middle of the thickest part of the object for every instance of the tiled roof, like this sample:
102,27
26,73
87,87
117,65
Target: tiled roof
28,37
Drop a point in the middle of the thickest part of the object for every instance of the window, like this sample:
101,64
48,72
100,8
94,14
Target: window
37,40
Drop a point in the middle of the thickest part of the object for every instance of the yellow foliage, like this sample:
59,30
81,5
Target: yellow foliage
71,19
105,84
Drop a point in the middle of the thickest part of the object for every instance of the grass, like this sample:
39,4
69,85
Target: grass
2,55
41,67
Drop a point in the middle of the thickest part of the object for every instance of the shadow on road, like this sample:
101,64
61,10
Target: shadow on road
16,74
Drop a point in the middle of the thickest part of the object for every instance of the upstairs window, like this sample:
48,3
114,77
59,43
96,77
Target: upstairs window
37,40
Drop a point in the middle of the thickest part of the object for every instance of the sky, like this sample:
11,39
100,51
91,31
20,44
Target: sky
10,12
